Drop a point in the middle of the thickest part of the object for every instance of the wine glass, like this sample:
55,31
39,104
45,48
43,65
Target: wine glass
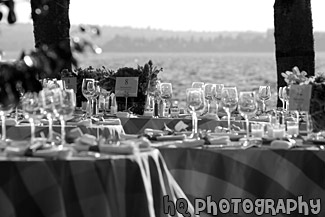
217,95
195,102
280,95
47,103
7,102
65,103
32,109
198,84
285,93
88,90
209,92
166,92
229,101
95,96
247,106
264,93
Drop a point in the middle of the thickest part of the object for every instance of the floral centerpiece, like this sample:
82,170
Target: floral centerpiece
148,78
317,102
89,72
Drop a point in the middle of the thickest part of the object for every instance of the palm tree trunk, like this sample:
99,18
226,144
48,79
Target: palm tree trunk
52,26
294,40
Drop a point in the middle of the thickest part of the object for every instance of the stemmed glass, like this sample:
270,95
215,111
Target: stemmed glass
47,103
65,103
195,102
247,106
7,103
264,93
88,90
209,92
280,95
229,101
285,93
217,95
95,96
32,109
166,92
198,84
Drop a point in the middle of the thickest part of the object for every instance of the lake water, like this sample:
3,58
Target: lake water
247,71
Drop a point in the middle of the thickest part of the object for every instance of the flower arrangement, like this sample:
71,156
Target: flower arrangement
317,102
148,78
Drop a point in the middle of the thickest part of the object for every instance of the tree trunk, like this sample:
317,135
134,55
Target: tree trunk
294,41
51,27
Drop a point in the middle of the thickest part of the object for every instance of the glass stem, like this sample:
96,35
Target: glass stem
283,105
3,121
209,104
228,116
287,105
194,123
247,126
32,130
62,131
50,136
217,107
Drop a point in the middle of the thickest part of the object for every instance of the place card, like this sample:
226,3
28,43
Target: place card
299,97
126,86
70,83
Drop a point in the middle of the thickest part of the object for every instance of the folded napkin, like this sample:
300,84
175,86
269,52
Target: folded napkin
281,144
218,140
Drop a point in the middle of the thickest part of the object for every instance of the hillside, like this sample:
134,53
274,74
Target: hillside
126,39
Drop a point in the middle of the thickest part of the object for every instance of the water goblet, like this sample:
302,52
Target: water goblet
65,104
47,103
88,90
229,101
166,92
209,92
32,109
280,95
285,93
195,102
217,95
94,97
247,106
264,93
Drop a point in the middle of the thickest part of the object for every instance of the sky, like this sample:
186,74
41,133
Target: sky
177,15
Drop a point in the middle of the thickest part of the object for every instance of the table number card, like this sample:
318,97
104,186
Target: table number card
299,97
126,86
70,83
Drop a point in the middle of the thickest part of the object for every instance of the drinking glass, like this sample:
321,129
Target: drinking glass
229,101
247,106
95,96
285,93
166,92
218,94
209,92
264,93
32,109
88,90
195,102
65,104
198,84
7,103
47,104
280,95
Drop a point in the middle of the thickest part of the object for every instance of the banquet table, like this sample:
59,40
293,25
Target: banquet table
253,174
117,185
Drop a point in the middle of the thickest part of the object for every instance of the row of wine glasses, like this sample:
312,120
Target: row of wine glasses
52,103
